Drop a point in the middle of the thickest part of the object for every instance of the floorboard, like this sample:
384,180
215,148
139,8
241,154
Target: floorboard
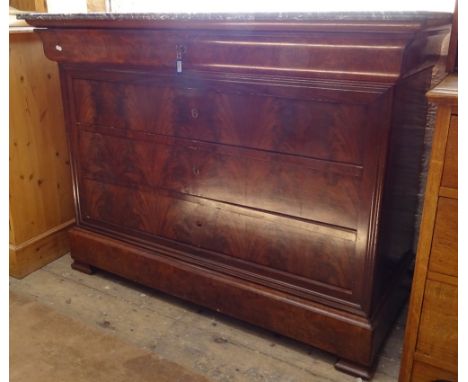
201,341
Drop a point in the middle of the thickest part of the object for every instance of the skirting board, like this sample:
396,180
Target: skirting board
39,251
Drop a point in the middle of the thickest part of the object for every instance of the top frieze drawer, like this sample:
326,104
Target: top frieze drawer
317,55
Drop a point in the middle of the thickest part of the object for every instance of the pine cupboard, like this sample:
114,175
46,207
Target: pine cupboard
41,196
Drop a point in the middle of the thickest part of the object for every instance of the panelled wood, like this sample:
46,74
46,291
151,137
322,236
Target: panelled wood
96,5
444,252
431,339
446,279
303,188
207,225
41,198
260,179
29,5
228,53
424,372
437,337
39,251
252,301
212,115
450,172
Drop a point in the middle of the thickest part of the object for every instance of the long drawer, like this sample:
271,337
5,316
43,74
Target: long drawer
312,54
316,252
327,131
299,187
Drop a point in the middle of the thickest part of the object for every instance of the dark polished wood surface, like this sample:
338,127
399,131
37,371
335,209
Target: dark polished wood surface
273,177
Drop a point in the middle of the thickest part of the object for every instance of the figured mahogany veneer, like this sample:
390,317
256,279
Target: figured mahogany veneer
273,178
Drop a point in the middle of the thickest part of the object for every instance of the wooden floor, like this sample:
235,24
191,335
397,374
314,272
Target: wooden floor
46,346
199,341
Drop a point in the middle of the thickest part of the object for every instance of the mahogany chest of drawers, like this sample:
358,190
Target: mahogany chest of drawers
264,166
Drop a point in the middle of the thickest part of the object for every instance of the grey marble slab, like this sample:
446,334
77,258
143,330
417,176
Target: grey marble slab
257,16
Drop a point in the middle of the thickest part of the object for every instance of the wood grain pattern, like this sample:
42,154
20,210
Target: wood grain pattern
444,252
336,55
96,5
252,182
219,291
28,257
41,197
230,53
448,192
439,325
248,120
434,295
450,172
256,237
423,372
446,93
443,278
29,5
307,189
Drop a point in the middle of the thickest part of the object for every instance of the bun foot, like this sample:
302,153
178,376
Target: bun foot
82,267
357,370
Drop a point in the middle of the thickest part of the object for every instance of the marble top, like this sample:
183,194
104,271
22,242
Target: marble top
234,16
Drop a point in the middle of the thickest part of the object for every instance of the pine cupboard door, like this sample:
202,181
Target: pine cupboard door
41,197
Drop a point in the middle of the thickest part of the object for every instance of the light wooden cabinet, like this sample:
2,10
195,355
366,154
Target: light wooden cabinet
41,197
431,342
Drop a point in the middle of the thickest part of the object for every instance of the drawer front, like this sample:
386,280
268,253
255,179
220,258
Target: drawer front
444,252
450,172
293,247
335,55
422,372
320,130
438,329
303,188
111,47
